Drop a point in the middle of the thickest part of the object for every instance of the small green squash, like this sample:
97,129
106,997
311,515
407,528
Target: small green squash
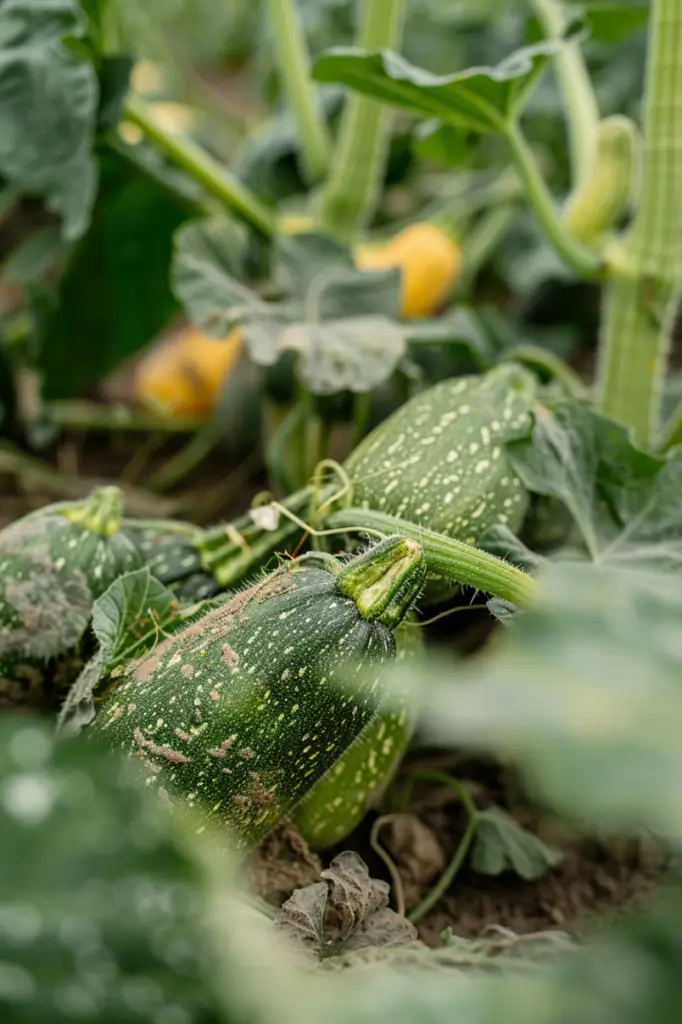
440,461
54,563
172,550
244,712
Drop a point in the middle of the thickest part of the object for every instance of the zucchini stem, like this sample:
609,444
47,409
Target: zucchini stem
354,185
578,257
445,556
579,100
293,62
204,168
646,267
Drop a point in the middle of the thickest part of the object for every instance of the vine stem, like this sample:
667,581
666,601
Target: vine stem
579,100
584,261
354,183
201,166
449,874
447,557
646,273
293,62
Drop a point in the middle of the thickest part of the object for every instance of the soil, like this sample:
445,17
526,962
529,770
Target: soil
596,876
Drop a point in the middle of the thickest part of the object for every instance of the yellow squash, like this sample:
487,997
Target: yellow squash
430,262
183,377
429,259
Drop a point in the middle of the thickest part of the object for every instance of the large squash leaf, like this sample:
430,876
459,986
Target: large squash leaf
626,504
48,108
115,295
480,99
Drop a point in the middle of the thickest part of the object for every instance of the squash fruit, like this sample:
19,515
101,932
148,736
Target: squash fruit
430,262
244,711
54,563
183,377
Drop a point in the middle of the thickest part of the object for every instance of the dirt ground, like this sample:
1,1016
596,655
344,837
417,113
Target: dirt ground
595,877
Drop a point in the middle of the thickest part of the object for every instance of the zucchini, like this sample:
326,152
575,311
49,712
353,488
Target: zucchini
54,563
241,712
172,551
339,801
439,461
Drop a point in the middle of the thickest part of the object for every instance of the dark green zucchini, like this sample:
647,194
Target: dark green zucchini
54,563
242,712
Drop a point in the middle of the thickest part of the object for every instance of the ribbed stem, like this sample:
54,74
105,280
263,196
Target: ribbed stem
353,187
293,62
579,100
633,350
215,178
640,305
450,558
573,253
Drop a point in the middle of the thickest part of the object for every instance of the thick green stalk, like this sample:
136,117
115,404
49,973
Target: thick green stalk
577,256
354,184
579,100
641,302
215,178
293,62
445,556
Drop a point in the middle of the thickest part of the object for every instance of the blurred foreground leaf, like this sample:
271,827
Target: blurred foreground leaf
584,694
101,906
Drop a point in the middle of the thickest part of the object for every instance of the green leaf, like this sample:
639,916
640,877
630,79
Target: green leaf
499,540
444,143
267,159
48,109
334,317
299,259
319,272
501,844
611,23
103,905
480,99
354,354
131,615
626,504
34,257
127,620
115,295
207,262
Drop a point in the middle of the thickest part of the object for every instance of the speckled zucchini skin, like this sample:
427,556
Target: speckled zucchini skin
54,563
339,801
82,537
241,712
440,460
172,553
